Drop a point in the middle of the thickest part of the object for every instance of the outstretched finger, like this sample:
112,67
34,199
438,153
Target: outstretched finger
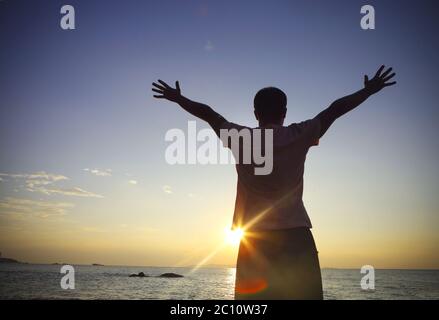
158,91
386,72
164,84
389,84
389,77
159,96
158,86
377,74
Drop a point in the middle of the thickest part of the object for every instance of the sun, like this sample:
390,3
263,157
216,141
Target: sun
233,237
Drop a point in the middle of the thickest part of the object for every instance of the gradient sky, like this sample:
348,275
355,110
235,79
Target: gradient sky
81,99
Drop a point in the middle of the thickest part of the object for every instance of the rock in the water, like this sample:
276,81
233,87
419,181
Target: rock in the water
170,275
140,274
8,260
163,275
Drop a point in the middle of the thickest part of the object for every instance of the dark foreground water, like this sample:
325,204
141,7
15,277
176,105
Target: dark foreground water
28,281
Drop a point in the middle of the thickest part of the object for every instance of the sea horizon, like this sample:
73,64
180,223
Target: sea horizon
98,264
43,281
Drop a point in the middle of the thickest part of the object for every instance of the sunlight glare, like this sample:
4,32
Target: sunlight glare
233,237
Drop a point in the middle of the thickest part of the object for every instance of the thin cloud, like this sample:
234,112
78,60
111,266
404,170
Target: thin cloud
43,182
134,182
209,46
77,192
19,207
34,181
40,175
167,189
99,172
34,185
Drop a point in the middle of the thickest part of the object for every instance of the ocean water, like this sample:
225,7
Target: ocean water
30,281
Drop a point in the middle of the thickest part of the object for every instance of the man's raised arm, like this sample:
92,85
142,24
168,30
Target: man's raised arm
199,110
346,104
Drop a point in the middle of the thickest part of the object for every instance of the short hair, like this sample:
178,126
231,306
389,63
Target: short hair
270,104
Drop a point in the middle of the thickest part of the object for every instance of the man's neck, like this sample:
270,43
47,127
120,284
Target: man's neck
270,124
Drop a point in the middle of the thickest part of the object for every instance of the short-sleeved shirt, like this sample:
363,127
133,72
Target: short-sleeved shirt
274,201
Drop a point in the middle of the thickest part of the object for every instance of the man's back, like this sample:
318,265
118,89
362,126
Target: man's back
274,201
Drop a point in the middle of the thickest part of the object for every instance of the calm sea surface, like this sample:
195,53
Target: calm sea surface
28,281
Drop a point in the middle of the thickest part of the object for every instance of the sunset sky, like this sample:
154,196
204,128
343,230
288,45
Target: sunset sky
83,176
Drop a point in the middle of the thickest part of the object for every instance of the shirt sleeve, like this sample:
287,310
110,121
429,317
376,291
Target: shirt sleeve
308,131
217,122
226,136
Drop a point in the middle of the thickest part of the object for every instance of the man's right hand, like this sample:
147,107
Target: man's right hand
379,81
166,92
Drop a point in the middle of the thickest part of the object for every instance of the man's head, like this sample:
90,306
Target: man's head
270,106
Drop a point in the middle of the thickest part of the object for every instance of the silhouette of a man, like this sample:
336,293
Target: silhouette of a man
278,258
